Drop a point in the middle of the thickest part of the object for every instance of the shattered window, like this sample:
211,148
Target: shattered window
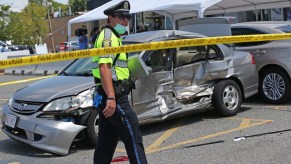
159,60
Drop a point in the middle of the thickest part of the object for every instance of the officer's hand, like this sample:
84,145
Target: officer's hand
110,108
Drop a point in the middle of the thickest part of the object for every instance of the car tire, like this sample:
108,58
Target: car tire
92,128
226,98
274,76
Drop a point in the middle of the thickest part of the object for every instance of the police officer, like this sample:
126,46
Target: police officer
116,117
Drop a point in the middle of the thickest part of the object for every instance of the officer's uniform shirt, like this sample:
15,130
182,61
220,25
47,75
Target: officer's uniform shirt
109,38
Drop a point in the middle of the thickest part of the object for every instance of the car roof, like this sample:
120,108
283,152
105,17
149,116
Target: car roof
149,36
271,27
263,23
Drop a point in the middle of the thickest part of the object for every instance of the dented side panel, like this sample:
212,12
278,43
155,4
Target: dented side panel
188,87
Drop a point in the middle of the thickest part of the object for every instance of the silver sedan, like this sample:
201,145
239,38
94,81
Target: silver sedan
52,113
273,58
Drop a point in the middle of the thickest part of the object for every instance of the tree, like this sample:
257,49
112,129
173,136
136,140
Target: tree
55,5
4,9
78,5
29,26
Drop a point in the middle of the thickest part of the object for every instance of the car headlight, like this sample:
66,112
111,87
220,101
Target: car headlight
10,101
82,100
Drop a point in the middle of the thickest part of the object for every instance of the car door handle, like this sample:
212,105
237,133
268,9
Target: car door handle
259,52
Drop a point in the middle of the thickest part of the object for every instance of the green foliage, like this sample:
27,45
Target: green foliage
39,2
52,4
28,26
4,9
34,25
64,8
78,5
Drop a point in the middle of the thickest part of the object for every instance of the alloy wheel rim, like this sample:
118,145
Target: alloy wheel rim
274,86
96,127
230,97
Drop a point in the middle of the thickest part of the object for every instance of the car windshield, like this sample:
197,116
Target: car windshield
64,43
83,66
285,28
74,43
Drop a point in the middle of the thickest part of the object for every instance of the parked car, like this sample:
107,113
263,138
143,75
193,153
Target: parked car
63,46
69,46
50,114
273,58
73,45
14,47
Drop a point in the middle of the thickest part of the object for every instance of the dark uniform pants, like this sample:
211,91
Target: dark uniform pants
123,123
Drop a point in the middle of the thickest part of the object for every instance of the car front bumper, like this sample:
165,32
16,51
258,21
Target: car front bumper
43,133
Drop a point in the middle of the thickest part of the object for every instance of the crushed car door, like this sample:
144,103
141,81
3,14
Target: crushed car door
195,70
147,95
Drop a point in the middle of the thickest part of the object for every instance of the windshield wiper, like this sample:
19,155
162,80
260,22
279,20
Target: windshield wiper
64,73
83,74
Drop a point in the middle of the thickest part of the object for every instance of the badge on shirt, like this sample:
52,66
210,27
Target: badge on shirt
106,43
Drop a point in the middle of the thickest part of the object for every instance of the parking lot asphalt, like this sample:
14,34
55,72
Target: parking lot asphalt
259,133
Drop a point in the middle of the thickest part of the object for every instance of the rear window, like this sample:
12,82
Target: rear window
286,28
64,43
247,31
74,43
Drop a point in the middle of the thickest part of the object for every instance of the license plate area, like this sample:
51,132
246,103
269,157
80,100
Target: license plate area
10,120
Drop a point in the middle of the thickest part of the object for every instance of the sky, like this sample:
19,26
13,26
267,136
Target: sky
18,5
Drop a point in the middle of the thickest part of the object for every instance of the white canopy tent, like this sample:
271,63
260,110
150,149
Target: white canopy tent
230,6
177,9
172,8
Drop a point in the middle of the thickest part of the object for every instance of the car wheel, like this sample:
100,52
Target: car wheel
92,128
274,86
226,98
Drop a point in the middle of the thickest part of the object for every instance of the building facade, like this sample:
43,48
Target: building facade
148,21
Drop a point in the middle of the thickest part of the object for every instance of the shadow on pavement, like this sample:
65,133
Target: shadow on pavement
9,146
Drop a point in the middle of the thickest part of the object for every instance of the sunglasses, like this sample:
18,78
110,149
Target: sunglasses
122,17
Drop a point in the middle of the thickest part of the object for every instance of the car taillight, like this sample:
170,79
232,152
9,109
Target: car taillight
253,58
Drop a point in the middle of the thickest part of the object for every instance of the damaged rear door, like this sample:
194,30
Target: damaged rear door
197,69
181,81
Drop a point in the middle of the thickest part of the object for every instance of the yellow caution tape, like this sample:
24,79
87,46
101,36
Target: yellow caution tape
53,57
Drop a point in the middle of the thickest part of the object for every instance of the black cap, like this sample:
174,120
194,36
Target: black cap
122,7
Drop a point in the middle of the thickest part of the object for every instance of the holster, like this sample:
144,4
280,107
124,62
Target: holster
123,87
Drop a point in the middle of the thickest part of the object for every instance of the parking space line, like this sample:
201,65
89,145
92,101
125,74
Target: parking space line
161,139
164,136
244,122
277,107
25,80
